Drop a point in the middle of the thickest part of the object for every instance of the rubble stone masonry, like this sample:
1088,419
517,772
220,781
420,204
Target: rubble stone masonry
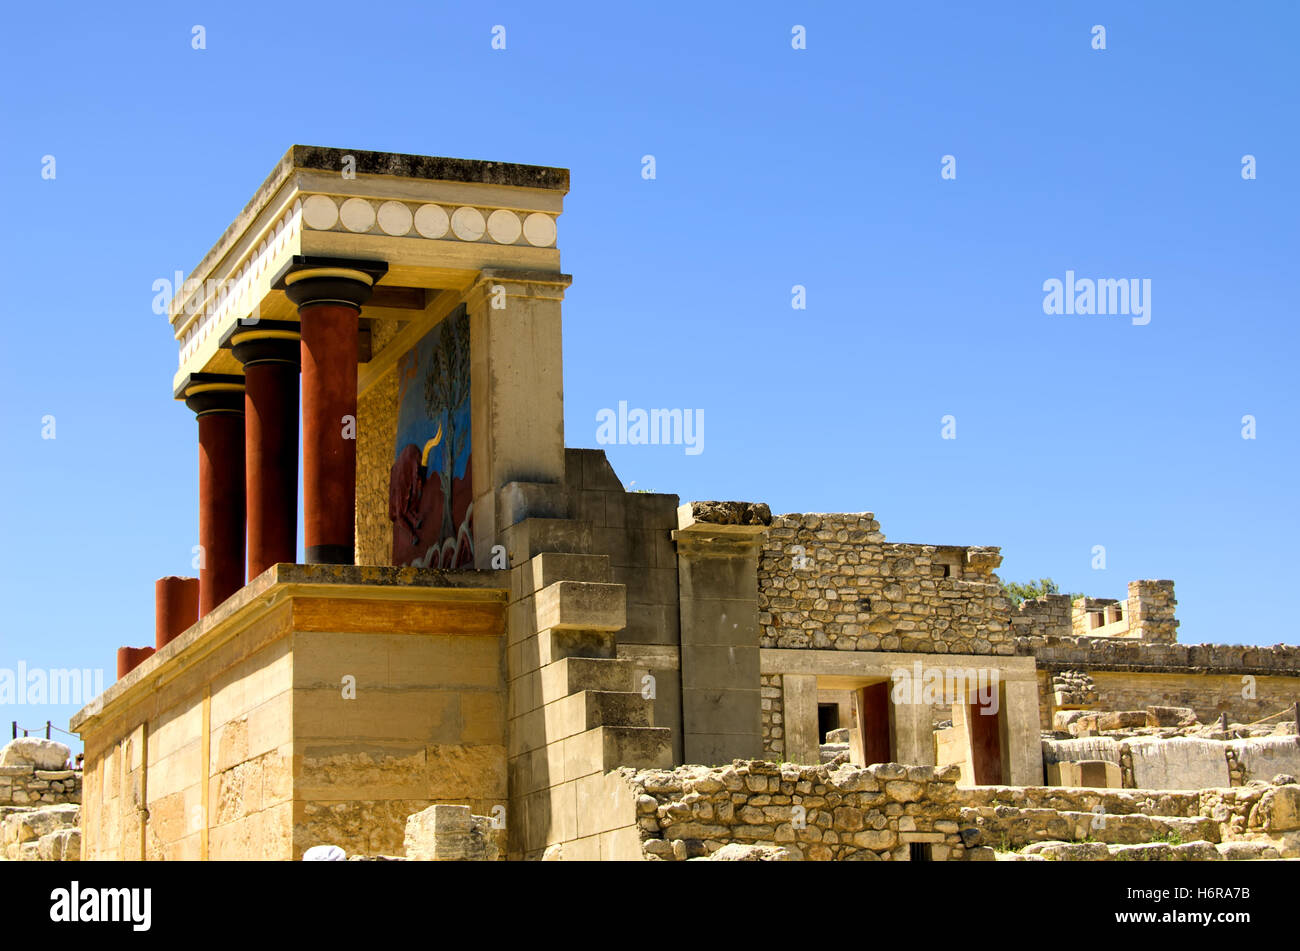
832,581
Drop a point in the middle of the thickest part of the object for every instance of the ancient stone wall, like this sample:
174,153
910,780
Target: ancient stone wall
818,813
29,786
832,581
1248,683
1048,616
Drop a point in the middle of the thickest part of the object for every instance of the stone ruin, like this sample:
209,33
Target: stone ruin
40,798
490,647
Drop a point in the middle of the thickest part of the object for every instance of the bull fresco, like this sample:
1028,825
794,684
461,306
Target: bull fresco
430,498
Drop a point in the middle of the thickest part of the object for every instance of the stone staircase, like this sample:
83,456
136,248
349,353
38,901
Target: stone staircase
575,712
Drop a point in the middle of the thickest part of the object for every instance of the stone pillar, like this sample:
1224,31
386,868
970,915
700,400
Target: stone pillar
1151,611
270,352
176,607
717,569
218,402
799,716
516,390
329,293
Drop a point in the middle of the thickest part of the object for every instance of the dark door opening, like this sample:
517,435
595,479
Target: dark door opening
828,718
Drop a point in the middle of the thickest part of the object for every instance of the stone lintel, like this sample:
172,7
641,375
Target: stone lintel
853,666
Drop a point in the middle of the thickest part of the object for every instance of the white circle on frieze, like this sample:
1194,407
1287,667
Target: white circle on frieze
357,214
539,229
503,226
394,218
467,223
320,212
431,221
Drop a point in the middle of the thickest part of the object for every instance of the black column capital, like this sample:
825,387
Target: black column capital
264,341
318,280
211,393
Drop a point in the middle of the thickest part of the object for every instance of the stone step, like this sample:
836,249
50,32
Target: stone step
533,536
574,673
640,747
582,605
578,713
544,570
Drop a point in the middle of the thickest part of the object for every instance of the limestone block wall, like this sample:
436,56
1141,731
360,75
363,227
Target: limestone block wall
426,723
202,767
1183,762
817,812
832,581
320,705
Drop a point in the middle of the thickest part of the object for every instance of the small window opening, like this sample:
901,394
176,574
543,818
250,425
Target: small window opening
918,852
828,718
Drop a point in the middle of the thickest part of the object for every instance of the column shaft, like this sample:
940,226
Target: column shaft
221,507
271,421
329,446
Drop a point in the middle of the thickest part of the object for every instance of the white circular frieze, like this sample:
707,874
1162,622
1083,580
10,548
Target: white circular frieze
394,218
320,212
467,223
357,214
431,221
503,226
539,229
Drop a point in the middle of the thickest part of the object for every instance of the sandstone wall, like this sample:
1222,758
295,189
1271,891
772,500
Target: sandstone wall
832,581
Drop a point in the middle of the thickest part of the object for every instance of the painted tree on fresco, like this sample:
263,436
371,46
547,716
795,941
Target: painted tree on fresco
445,388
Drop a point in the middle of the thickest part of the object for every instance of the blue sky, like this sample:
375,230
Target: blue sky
775,167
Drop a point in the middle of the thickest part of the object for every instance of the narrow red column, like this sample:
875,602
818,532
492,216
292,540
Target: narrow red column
329,294
218,402
129,658
269,351
176,607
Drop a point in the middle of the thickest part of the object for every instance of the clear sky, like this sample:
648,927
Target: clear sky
774,167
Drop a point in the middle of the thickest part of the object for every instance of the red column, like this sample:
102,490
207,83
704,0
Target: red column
218,401
329,456
269,352
176,607
129,658
329,294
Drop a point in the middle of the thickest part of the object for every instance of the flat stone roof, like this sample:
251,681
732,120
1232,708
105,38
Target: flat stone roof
431,167
397,164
